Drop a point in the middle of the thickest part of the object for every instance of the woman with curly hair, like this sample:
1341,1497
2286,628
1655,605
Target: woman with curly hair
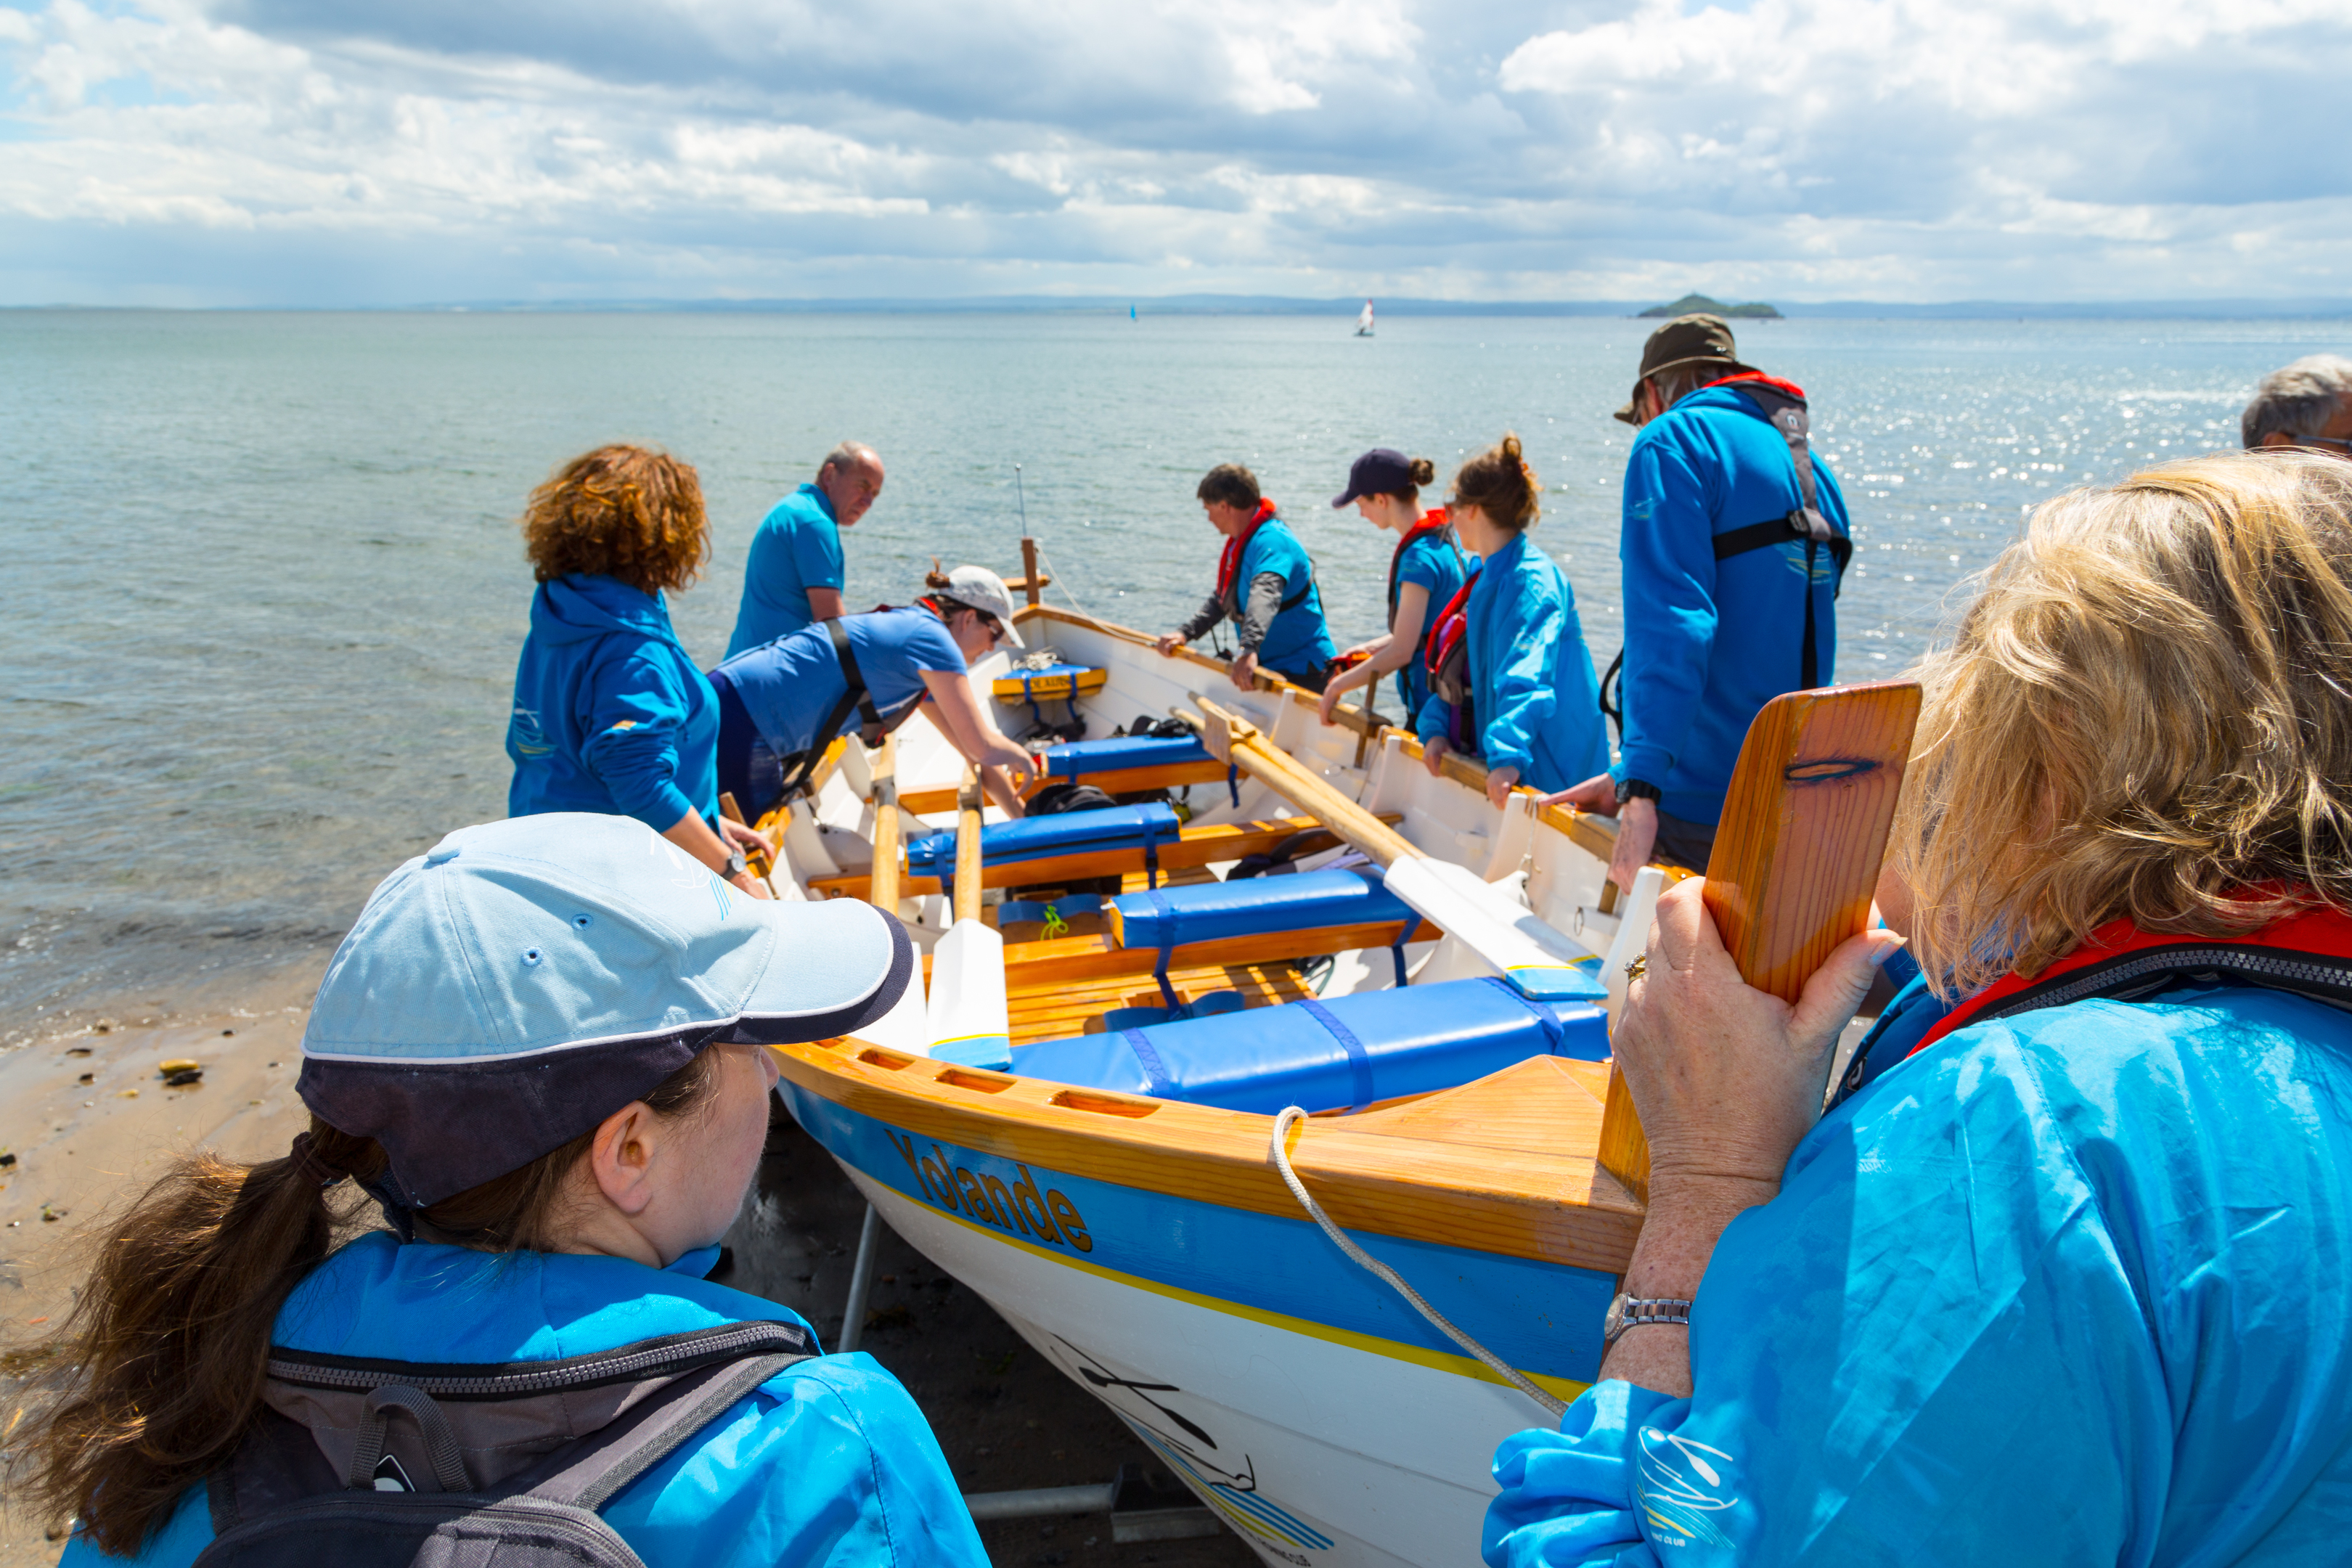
2059,1275
610,713
1509,649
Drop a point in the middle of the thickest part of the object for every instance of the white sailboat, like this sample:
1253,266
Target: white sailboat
1364,320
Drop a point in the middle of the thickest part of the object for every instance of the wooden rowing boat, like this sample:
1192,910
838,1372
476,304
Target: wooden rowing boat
1147,1244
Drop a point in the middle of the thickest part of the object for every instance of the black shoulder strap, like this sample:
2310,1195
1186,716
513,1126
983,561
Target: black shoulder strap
1789,415
801,764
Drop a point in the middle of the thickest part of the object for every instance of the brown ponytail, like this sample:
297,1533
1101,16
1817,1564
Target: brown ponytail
1498,482
1422,472
158,1373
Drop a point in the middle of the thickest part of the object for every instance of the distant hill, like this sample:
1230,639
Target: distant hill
1699,304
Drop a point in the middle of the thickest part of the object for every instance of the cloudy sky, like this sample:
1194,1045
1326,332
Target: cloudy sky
383,152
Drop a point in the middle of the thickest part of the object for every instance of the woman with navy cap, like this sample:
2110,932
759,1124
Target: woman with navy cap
1425,570
1266,587
610,713
540,1052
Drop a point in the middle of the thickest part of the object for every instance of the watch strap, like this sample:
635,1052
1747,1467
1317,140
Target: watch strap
1632,1312
1637,789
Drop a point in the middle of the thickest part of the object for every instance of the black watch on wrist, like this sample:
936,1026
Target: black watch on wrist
1637,789
735,864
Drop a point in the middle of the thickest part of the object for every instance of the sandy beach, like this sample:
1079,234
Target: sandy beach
87,1120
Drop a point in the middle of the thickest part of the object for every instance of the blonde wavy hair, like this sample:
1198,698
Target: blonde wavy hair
2146,713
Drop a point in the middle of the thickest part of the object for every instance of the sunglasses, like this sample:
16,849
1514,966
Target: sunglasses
995,627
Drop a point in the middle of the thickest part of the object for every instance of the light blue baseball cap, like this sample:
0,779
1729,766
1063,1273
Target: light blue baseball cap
506,991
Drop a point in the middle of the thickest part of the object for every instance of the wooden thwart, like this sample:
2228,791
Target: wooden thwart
1804,831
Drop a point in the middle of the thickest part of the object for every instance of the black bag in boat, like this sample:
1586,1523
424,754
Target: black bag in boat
383,1464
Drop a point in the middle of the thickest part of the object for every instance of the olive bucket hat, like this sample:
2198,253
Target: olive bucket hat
510,989
1685,340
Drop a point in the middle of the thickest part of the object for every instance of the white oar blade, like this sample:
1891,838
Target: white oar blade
907,1026
1540,963
969,1020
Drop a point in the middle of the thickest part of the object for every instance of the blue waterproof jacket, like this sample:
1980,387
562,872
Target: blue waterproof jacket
1532,690
1434,563
797,547
2069,1286
828,1462
1708,642
610,714
1298,643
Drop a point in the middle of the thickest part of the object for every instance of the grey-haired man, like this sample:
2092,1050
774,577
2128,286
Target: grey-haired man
2306,405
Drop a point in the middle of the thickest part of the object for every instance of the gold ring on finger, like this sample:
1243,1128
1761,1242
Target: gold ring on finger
1639,967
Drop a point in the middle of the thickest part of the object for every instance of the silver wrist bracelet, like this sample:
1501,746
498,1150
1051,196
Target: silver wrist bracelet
1632,1312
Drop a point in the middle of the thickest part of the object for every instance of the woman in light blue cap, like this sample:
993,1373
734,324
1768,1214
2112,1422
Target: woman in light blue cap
540,1052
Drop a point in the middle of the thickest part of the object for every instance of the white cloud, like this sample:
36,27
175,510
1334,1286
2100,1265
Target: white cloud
238,150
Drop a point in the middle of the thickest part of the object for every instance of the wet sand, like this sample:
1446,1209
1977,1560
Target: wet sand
83,1150
1006,1418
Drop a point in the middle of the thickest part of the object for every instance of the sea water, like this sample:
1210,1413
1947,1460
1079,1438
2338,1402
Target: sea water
264,587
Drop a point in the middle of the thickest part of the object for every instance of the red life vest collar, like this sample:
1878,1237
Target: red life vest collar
1788,388
1231,561
1431,522
2309,953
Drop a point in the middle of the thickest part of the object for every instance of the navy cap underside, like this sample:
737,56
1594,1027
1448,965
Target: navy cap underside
452,1125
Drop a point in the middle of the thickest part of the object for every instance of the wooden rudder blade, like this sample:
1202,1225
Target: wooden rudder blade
1796,860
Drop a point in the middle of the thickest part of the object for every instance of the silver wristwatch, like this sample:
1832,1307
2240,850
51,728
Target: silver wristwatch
735,864
1632,1312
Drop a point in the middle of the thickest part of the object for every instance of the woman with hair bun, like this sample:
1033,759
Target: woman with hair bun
611,714
1521,694
1426,571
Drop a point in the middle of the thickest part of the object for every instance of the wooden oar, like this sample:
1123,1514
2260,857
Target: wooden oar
884,887
970,1020
1457,900
907,1025
1803,834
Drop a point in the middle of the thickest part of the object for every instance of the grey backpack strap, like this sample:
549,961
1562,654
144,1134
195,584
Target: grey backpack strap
599,1467
440,1442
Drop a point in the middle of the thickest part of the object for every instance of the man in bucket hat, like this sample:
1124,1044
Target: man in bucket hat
1734,541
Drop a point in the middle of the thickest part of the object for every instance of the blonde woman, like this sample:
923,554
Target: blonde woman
2065,1279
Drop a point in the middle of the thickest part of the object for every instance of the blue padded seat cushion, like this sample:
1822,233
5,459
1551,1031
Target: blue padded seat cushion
1412,1040
1064,832
1208,911
1082,757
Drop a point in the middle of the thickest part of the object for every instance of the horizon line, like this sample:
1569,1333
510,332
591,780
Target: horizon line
2217,307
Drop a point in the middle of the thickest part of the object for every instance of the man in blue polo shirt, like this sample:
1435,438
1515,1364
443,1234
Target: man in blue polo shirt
794,576
1735,538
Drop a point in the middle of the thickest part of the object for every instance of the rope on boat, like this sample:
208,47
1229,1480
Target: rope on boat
1497,1364
1062,581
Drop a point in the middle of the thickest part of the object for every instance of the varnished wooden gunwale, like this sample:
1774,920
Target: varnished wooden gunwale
1552,1203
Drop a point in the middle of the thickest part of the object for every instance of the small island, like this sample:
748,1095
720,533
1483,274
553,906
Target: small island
1699,304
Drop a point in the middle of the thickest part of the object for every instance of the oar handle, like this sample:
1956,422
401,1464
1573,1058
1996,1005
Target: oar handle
967,881
884,890
1803,833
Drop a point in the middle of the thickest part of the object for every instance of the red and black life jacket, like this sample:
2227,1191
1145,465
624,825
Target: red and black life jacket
1229,564
1446,657
2308,954
1435,521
